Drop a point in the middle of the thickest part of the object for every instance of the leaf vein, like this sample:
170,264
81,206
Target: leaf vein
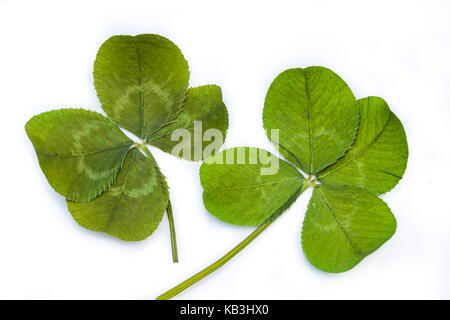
362,150
82,154
308,101
141,92
257,185
347,236
116,204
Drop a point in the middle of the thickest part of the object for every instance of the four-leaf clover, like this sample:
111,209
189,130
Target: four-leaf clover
349,151
110,186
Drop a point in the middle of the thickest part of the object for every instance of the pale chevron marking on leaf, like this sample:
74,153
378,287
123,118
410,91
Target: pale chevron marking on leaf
79,151
134,205
356,155
120,193
341,227
239,194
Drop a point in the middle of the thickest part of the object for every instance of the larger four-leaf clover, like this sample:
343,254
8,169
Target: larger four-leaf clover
110,186
350,151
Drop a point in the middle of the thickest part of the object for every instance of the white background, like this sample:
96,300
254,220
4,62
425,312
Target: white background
399,50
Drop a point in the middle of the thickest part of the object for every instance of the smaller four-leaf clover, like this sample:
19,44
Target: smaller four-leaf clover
109,184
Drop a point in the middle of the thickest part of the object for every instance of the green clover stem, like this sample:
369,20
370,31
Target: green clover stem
227,257
173,238
216,265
